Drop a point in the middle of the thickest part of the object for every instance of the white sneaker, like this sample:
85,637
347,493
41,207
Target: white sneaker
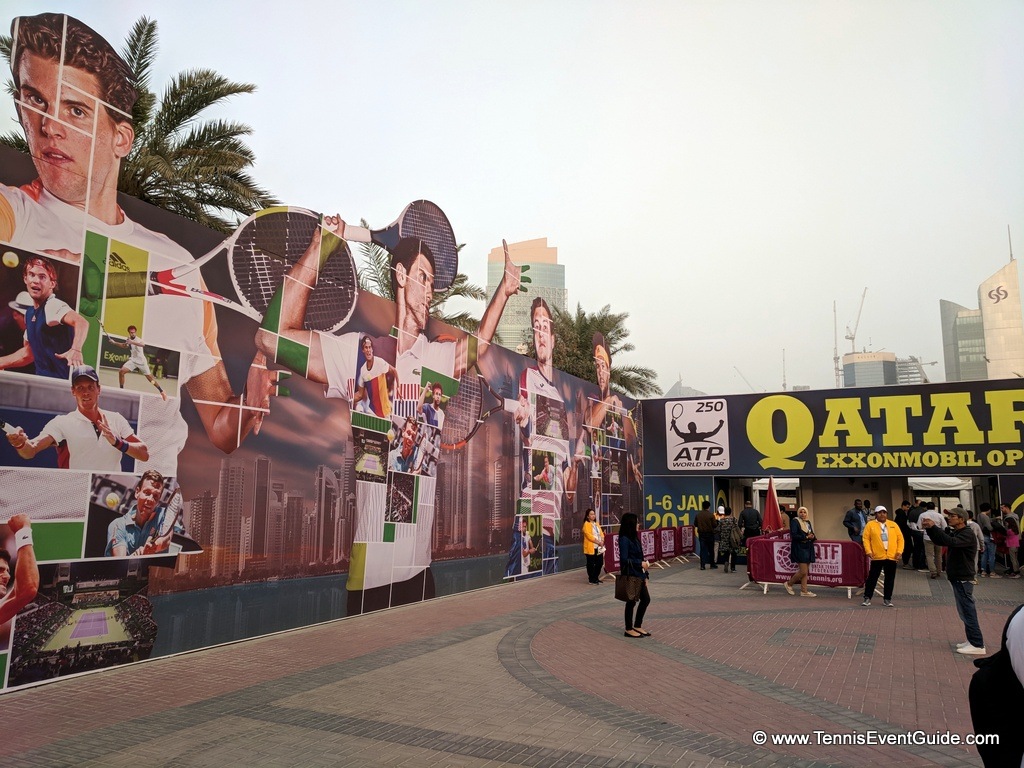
970,650
961,645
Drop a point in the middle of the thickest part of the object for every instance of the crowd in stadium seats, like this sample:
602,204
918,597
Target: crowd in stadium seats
37,626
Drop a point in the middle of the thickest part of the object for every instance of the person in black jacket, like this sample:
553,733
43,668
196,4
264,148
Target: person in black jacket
632,563
961,567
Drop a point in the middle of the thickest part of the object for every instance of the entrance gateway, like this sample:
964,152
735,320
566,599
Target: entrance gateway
840,444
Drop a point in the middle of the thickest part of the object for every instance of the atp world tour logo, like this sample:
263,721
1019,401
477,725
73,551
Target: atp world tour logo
697,434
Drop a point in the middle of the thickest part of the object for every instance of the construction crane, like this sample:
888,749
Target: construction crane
835,347
744,378
916,362
851,336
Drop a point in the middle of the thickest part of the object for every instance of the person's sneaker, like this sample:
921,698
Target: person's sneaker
866,603
1013,576
887,603
974,582
961,645
788,588
922,570
807,594
970,650
994,576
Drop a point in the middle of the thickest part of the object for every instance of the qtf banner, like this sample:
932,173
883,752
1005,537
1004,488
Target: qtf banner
927,429
836,563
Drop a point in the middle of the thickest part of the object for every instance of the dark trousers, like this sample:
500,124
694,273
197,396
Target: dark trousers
594,567
908,546
917,537
888,567
645,600
707,548
729,558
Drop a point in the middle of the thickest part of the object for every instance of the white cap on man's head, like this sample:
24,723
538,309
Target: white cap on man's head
880,508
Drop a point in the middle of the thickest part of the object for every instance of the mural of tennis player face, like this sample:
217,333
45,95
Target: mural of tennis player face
147,496
409,434
603,364
412,278
367,347
543,336
76,142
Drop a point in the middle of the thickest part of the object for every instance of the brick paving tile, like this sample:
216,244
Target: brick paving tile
538,673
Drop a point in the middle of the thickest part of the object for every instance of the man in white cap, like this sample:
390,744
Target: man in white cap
883,543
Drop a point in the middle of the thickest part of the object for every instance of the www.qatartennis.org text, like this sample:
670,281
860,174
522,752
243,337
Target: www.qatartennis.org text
874,738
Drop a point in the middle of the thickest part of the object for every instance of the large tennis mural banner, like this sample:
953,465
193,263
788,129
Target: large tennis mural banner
210,438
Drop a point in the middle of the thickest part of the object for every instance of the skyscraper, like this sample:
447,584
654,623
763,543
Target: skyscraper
327,484
294,509
869,369
548,281
988,342
200,528
227,520
260,509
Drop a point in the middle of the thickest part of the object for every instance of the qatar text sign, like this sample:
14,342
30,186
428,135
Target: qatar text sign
926,429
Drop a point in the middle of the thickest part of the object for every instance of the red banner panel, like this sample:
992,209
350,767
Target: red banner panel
687,540
837,563
667,541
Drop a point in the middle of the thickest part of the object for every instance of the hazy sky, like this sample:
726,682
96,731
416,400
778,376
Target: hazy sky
722,171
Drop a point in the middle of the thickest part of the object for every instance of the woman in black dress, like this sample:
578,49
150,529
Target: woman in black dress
801,551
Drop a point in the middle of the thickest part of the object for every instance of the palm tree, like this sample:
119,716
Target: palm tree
375,277
574,352
195,168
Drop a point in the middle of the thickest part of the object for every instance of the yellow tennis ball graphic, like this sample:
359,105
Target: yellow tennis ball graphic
11,259
113,500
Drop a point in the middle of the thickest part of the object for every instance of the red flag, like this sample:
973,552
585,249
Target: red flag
772,518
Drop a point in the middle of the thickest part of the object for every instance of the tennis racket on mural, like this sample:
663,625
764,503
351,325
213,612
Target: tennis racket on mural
9,429
470,407
425,220
259,255
173,513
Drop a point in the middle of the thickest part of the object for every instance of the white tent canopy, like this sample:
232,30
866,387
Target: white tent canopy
781,484
940,483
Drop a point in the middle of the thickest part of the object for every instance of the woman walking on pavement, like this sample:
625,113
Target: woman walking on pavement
728,546
801,551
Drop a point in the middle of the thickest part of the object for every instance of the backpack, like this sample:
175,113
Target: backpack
1011,525
735,537
994,684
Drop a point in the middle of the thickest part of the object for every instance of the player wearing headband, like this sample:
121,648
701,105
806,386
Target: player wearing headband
54,333
74,97
383,571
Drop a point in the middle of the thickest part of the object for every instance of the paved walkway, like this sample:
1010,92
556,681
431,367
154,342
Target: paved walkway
539,674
